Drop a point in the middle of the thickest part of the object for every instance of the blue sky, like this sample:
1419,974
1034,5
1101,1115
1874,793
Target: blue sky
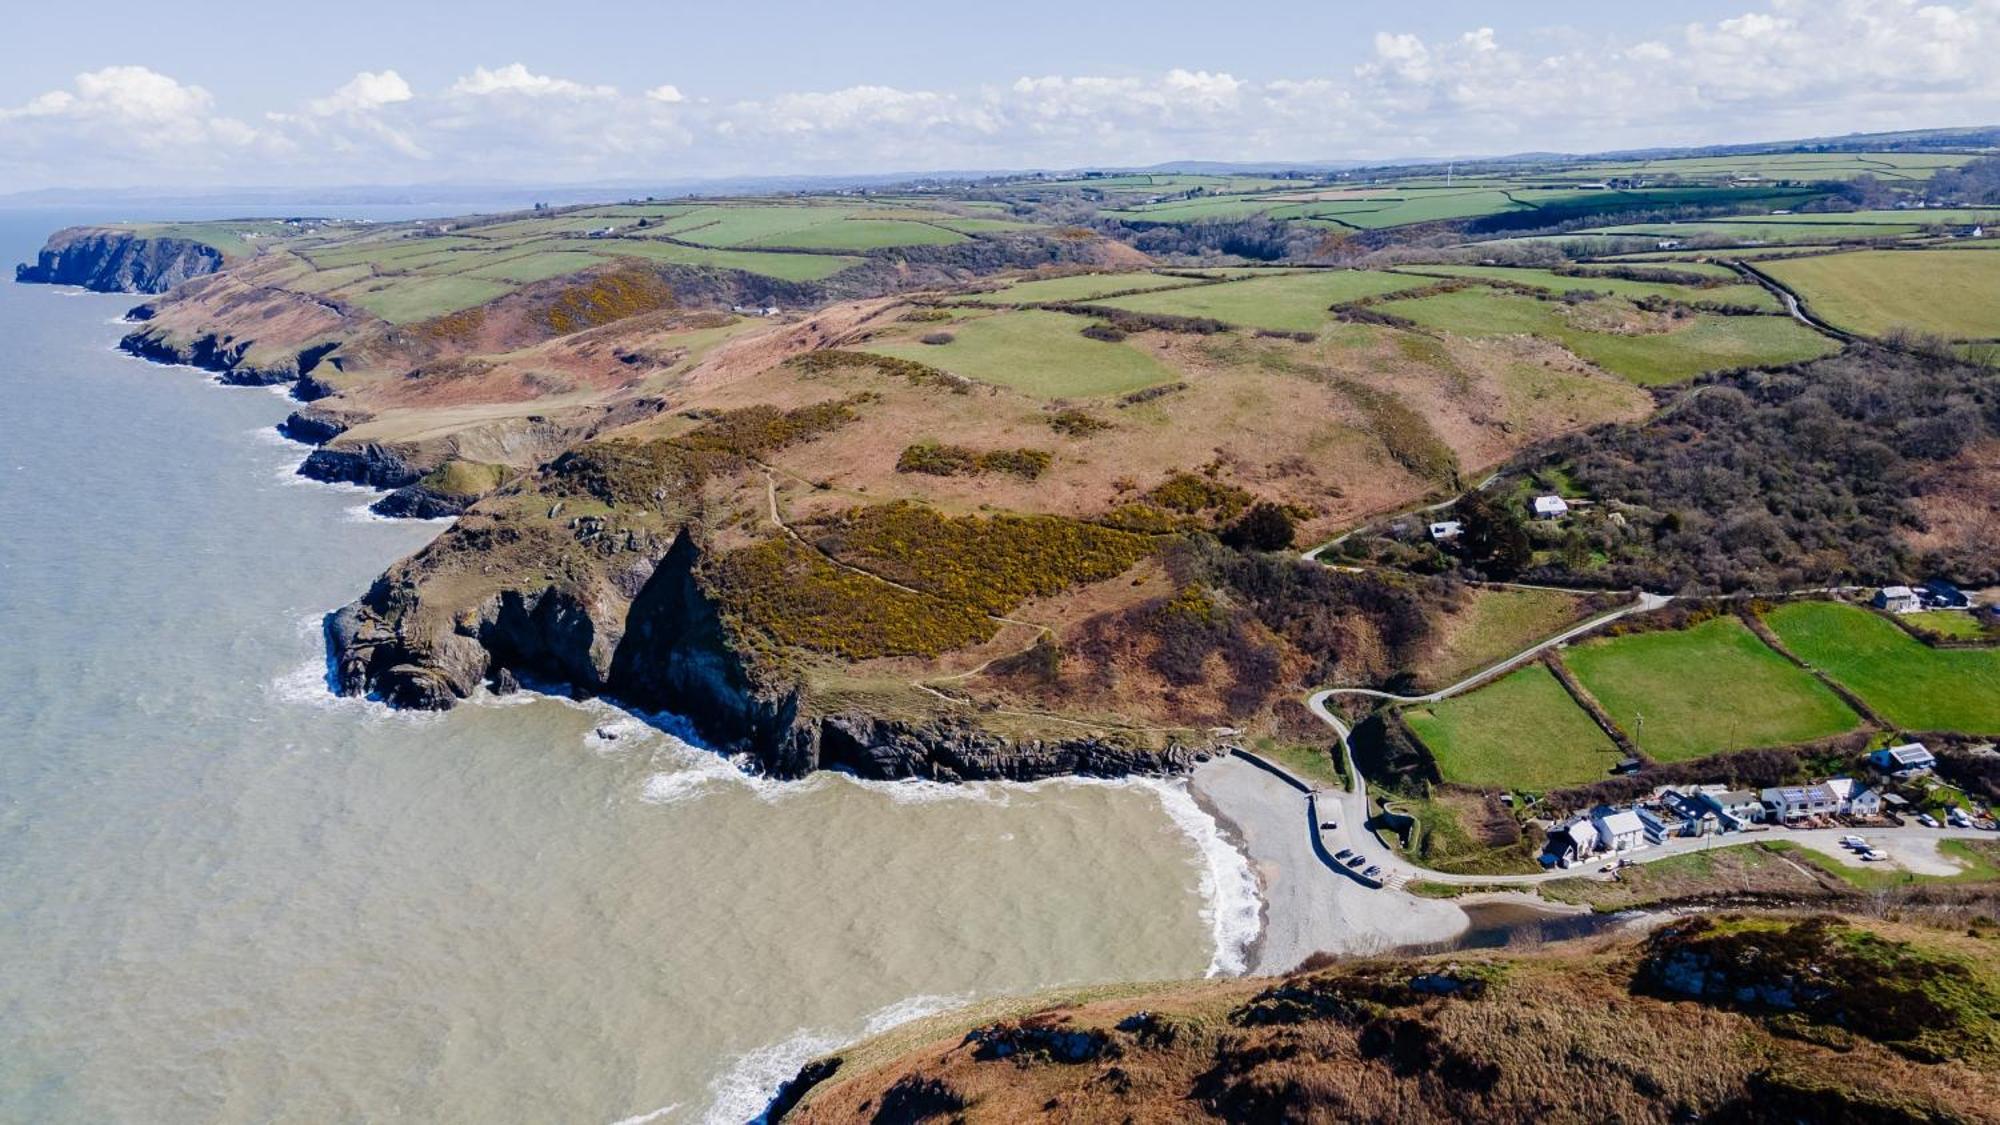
124,94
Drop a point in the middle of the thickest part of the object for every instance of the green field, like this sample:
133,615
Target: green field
807,227
864,234
1080,287
1292,303
1759,231
1689,693
1740,293
1910,684
1948,292
1039,353
1521,732
1497,623
1706,342
405,299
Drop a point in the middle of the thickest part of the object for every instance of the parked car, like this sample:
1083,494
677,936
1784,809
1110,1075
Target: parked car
1357,861
1875,855
1373,872
1853,842
1959,819
1609,867
1343,853
1927,820
1327,825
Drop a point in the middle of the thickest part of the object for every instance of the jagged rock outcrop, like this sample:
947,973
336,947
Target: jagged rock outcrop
226,355
369,463
667,650
117,261
416,502
313,426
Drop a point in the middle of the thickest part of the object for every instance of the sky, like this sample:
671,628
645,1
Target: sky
118,93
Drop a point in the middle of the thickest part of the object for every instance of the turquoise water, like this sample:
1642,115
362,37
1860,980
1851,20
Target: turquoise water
227,896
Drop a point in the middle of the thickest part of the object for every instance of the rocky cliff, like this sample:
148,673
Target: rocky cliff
666,649
116,261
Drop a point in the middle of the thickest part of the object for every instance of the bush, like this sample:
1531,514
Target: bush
796,598
939,460
1265,527
1077,423
1105,332
937,339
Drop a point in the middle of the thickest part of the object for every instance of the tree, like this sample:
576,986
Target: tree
1494,537
1265,527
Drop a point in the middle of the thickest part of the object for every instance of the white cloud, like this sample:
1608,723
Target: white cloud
365,91
515,78
1775,68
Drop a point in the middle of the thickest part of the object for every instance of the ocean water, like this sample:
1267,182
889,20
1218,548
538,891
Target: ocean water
226,895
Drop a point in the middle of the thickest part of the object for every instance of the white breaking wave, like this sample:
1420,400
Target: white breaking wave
742,1091
1232,905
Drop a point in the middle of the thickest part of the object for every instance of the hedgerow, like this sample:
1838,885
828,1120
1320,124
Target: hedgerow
830,360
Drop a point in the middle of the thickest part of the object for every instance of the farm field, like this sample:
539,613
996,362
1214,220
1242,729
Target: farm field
1760,231
1522,731
1947,292
1700,344
1739,293
1910,684
1689,693
401,300
1782,165
1291,303
1040,353
1079,287
1496,624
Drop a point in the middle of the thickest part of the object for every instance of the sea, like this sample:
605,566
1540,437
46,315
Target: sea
227,895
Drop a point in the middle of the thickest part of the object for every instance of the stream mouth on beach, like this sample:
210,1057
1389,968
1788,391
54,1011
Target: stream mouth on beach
1503,925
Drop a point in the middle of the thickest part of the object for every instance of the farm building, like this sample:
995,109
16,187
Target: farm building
1939,594
1907,759
1852,798
1734,808
1897,599
1793,802
1550,507
1444,531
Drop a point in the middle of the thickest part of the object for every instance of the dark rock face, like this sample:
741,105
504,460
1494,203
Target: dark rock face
312,426
669,652
118,262
374,465
223,355
415,502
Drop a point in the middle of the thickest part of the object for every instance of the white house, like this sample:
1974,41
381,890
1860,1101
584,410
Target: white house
1897,599
1794,802
1908,759
1550,507
1444,531
1621,831
1853,798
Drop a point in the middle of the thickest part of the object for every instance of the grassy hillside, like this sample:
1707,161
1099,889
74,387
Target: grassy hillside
1896,1024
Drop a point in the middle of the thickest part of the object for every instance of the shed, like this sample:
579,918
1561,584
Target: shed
1444,531
1550,507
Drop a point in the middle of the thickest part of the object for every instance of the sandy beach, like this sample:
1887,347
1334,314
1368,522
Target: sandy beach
1308,908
